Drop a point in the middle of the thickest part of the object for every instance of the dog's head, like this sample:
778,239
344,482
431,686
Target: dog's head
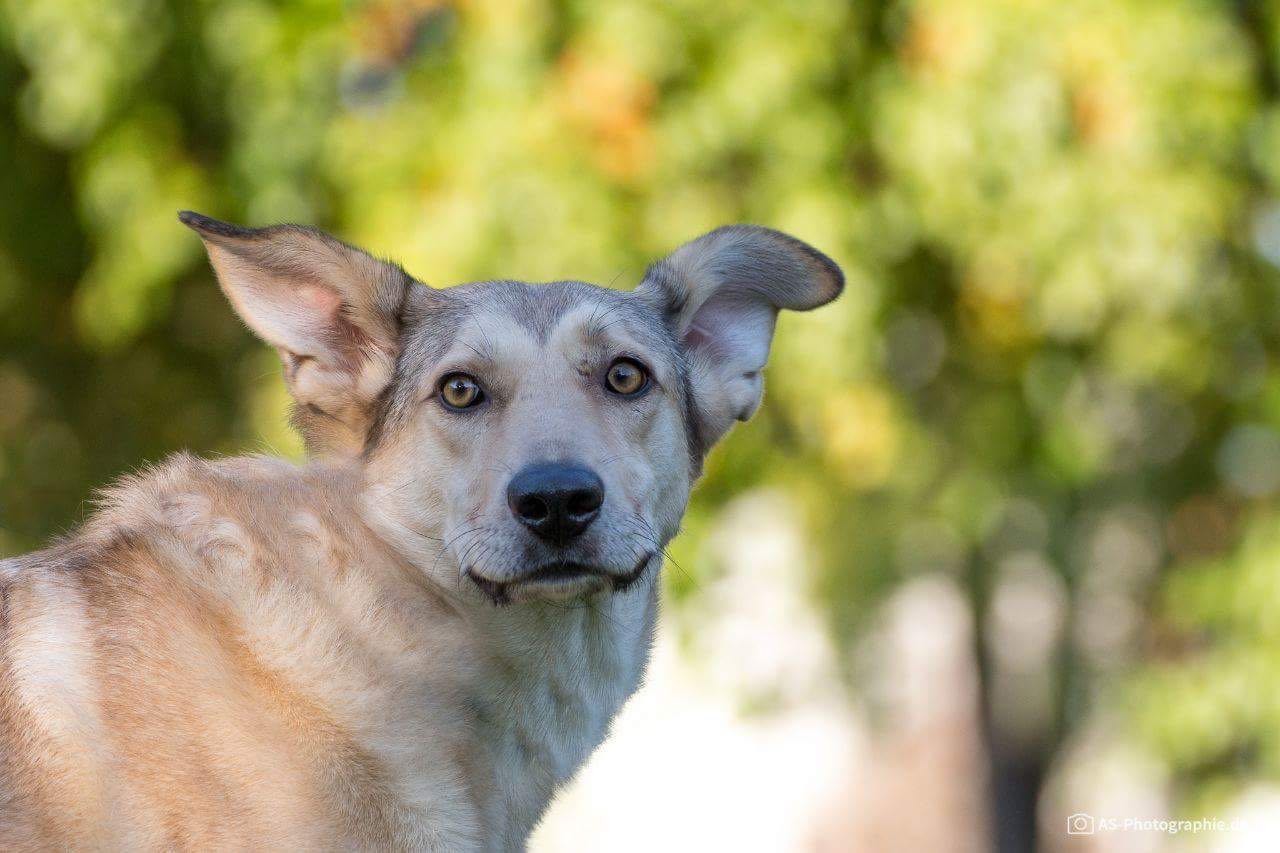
528,441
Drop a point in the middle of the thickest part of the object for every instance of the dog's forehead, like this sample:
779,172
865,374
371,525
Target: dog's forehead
483,309
499,321
540,309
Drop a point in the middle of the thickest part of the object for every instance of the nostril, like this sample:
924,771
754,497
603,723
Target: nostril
584,502
532,508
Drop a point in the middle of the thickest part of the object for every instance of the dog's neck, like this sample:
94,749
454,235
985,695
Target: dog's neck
543,680
554,675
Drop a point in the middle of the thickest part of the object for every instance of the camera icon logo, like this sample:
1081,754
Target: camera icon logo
1080,824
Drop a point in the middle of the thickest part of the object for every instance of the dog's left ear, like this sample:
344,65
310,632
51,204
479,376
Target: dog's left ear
721,294
331,311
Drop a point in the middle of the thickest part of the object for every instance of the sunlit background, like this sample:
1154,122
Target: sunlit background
1003,544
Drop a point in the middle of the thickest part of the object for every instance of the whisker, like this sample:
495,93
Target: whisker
652,538
450,540
488,344
591,321
420,533
475,543
606,326
594,328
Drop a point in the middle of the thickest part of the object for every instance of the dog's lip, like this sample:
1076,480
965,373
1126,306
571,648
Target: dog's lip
558,573
561,570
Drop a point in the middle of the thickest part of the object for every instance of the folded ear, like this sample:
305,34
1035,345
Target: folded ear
330,310
721,294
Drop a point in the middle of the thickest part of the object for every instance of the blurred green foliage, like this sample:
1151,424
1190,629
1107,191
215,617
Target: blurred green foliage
1053,376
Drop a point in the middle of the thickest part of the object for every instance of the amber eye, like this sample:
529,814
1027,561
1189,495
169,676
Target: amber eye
626,377
460,391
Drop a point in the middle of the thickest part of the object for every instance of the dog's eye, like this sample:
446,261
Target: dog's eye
626,377
460,391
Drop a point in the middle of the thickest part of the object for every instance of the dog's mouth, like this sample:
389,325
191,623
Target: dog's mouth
559,578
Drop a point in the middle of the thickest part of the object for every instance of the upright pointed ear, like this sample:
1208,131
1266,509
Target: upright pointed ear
721,294
330,310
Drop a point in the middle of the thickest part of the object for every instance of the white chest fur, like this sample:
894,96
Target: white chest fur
552,678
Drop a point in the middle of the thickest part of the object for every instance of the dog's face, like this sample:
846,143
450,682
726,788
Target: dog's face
540,432
521,441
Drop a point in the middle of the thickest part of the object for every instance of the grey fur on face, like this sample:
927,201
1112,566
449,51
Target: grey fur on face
431,318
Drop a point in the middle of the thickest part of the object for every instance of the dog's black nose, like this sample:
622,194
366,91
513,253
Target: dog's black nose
556,500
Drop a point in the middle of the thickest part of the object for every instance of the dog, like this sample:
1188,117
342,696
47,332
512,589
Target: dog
414,638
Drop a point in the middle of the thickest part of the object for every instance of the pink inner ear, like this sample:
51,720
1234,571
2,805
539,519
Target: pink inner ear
696,336
319,299
733,331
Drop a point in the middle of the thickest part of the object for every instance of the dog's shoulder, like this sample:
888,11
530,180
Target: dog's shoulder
152,495
188,514
190,498
184,580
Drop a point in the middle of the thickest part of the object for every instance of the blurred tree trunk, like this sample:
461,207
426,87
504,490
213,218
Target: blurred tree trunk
1016,779
1016,766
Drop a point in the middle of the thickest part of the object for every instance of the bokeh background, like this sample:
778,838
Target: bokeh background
1003,544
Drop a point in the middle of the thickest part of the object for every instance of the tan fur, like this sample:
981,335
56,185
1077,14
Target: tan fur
249,654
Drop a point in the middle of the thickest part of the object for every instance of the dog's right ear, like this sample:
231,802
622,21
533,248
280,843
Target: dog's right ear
332,312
